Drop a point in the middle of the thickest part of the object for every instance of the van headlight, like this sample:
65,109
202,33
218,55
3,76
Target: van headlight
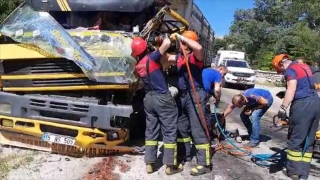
230,72
5,108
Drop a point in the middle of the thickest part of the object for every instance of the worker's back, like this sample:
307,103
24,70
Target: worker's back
316,74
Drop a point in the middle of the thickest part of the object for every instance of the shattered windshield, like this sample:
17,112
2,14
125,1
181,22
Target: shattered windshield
102,56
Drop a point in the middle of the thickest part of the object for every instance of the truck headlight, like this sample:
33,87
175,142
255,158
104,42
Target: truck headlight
5,108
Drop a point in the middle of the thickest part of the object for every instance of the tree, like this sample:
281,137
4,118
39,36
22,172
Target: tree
277,26
219,43
7,6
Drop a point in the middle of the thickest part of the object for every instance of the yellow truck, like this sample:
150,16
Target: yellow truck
67,77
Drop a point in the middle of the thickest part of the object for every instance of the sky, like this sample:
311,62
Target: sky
219,13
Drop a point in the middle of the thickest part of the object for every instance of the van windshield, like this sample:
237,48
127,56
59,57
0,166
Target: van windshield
239,64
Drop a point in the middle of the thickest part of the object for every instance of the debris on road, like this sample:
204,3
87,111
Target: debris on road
109,169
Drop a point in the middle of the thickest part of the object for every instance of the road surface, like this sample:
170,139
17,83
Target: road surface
40,165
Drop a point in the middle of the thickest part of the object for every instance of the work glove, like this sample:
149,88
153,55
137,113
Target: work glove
282,113
281,94
174,91
175,36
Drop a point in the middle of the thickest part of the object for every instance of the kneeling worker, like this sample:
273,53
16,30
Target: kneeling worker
160,108
256,102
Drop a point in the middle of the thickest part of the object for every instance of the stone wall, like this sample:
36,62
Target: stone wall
269,77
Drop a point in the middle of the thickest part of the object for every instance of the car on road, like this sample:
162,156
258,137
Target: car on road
239,73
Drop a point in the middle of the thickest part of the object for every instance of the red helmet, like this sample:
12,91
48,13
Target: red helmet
138,46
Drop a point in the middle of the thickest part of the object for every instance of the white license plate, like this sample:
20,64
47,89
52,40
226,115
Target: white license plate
54,138
242,82
241,78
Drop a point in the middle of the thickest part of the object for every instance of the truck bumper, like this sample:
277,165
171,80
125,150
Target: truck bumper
64,110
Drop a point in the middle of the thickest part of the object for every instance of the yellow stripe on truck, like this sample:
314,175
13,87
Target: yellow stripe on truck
66,5
23,52
61,5
57,76
65,88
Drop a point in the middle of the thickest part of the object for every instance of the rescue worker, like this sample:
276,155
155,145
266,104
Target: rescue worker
189,116
160,108
304,114
212,78
256,102
316,73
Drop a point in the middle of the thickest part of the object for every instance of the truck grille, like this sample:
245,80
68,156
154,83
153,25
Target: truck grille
45,66
59,66
25,67
242,74
63,82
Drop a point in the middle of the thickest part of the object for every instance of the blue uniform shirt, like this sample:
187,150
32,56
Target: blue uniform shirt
156,75
196,67
254,94
302,73
209,78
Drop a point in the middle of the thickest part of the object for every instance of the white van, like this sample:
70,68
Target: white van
239,73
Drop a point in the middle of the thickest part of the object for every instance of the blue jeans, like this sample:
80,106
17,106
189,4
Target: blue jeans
253,125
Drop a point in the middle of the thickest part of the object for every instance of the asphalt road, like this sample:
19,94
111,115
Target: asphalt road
225,167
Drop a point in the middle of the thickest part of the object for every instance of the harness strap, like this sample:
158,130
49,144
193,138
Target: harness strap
307,138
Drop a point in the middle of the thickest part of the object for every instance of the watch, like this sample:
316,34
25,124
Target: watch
283,106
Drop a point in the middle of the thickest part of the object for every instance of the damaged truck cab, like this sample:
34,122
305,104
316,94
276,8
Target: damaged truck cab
67,75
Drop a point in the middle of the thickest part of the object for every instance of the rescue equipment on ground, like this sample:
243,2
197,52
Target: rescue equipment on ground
279,123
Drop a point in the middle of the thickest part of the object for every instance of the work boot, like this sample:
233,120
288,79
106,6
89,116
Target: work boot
171,169
252,145
150,168
200,170
292,177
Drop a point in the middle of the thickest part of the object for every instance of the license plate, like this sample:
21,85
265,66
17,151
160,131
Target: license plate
54,138
243,82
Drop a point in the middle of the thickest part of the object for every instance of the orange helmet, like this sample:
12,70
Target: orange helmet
191,35
277,59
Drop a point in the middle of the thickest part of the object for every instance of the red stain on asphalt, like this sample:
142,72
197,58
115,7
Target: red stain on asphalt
104,170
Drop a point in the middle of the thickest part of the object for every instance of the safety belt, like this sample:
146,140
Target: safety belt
309,82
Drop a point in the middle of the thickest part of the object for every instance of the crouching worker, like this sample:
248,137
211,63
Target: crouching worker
256,102
211,78
160,108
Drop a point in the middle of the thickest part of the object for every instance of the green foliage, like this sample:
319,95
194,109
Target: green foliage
275,26
7,6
